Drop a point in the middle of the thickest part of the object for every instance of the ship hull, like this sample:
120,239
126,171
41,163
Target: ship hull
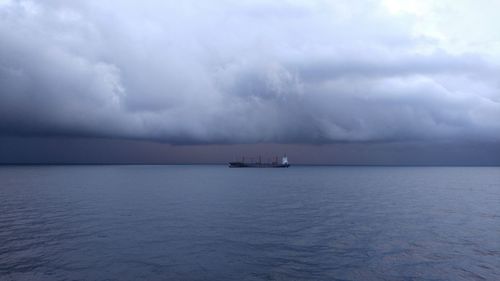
257,165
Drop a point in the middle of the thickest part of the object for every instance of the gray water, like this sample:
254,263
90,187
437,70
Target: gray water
216,223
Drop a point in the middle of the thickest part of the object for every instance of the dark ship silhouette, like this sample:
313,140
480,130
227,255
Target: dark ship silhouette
284,164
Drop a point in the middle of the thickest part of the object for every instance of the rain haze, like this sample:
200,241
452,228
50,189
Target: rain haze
327,82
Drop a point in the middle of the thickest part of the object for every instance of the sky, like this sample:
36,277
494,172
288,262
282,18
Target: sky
327,82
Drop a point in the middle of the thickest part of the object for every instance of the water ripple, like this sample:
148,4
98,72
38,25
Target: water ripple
214,223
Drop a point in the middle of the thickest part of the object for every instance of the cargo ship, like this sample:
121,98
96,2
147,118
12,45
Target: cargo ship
284,164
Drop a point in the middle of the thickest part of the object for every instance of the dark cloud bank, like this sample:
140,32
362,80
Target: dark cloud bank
326,77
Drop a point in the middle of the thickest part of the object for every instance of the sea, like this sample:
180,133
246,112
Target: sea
210,222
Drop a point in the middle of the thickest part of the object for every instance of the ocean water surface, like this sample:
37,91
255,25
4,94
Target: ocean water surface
216,223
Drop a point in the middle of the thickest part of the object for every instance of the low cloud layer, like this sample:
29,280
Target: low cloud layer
249,71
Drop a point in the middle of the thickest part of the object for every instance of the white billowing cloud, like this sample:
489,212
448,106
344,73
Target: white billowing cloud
458,26
250,71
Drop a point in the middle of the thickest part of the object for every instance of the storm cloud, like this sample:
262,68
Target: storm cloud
250,71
